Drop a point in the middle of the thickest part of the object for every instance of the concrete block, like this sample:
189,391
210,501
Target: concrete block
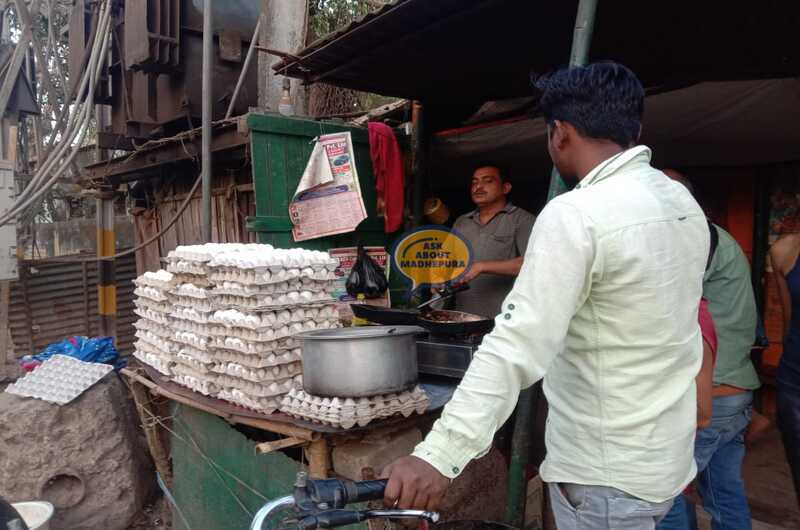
374,451
480,492
533,503
84,457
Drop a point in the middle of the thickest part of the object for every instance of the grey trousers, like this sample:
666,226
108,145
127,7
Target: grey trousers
578,507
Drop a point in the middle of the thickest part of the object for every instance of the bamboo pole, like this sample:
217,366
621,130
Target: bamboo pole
525,420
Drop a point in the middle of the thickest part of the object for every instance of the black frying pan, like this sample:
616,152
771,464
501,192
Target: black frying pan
388,316
392,316
442,322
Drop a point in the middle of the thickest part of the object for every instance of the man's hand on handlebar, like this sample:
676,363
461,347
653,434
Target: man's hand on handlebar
414,484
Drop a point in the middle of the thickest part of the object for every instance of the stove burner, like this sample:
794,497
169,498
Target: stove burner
463,338
447,355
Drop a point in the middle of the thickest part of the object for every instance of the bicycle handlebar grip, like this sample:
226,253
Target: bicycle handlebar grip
369,490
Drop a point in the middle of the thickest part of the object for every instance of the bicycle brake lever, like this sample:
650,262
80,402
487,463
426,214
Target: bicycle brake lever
336,518
432,517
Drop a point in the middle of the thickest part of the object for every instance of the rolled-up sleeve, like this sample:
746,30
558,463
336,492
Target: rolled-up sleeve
529,332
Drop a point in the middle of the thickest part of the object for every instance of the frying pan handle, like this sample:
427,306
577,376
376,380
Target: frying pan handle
459,288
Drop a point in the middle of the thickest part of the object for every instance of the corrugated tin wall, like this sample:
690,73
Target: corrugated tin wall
56,298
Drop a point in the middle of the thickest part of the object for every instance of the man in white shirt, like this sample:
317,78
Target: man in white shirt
605,310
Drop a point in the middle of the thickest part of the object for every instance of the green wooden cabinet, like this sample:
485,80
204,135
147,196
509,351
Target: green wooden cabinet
280,148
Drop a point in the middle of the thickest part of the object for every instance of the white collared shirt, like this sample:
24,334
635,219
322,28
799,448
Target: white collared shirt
605,310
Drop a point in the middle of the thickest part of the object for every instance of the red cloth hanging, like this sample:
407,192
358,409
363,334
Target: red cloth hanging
387,162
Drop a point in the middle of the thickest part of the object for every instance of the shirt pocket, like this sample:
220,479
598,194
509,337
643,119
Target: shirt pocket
502,245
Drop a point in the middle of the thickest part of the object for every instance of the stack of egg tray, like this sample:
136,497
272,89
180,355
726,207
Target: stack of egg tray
221,319
346,413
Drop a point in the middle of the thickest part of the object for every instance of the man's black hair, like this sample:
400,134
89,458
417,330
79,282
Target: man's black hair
505,174
601,100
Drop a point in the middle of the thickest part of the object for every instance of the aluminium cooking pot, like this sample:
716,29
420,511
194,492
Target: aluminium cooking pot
360,361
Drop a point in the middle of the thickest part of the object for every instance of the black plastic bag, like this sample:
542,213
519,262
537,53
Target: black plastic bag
366,277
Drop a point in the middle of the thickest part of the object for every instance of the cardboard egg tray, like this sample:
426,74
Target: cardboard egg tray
271,335
240,289
266,405
273,302
203,356
198,280
191,326
190,290
159,362
203,306
233,318
147,303
190,314
273,269
183,267
252,389
258,375
153,316
198,384
150,293
264,276
346,413
189,338
59,379
162,344
254,348
153,327
195,364
160,280
147,347
258,361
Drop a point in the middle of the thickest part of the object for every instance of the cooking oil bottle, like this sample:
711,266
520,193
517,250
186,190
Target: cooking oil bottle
358,321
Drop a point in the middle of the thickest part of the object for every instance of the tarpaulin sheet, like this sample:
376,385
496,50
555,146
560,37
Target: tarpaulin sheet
740,123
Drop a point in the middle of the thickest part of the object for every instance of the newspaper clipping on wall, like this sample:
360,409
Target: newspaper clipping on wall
328,199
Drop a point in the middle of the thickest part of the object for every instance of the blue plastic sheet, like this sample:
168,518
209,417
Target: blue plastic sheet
91,350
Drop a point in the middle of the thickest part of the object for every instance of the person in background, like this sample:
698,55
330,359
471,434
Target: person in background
720,447
786,266
705,379
498,233
605,309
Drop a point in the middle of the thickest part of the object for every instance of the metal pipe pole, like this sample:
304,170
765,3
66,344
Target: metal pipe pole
579,56
106,270
245,68
525,420
418,148
207,94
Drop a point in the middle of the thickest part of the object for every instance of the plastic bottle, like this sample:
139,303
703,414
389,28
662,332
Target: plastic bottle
357,321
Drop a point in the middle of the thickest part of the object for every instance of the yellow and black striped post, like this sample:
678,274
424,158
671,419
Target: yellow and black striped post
106,277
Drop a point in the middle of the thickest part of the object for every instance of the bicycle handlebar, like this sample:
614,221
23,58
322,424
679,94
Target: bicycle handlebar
320,503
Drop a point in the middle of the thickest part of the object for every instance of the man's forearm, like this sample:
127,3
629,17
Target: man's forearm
506,267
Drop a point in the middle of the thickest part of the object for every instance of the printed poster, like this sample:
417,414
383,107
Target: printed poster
328,199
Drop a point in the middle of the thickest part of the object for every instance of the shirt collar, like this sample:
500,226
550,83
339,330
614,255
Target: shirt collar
606,168
508,208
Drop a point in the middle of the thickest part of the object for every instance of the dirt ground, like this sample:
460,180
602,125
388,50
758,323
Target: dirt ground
154,516
769,486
